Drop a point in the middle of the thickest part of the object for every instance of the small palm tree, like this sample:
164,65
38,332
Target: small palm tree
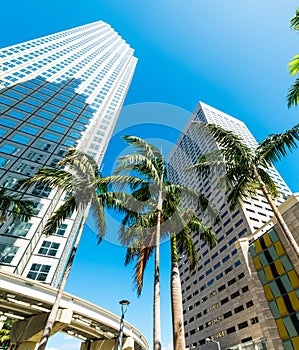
86,191
246,168
11,202
157,214
293,95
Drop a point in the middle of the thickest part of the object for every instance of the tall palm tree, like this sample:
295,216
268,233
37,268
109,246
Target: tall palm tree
86,191
11,202
246,168
158,215
293,95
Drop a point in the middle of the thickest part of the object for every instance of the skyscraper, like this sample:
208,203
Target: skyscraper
219,299
61,90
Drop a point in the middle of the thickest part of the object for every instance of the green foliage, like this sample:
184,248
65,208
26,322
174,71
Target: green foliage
147,170
12,202
293,94
246,168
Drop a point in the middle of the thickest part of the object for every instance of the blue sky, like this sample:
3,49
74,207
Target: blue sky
230,54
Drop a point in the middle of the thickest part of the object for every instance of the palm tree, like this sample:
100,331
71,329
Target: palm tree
157,214
86,191
246,168
293,95
11,202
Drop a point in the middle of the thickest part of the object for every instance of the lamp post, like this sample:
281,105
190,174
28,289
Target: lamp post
214,341
124,306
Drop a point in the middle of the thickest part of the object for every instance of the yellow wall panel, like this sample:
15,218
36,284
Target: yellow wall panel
268,273
267,240
295,342
294,300
282,307
294,279
258,246
279,248
257,263
279,267
281,329
268,292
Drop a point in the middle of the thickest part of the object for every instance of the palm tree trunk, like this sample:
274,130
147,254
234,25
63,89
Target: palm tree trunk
176,301
285,230
53,313
157,311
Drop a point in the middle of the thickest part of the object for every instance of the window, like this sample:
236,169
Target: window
35,157
25,108
25,169
9,149
45,115
49,248
61,230
19,229
29,130
231,330
7,252
245,289
224,301
239,309
7,122
57,128
3,162
227,314
37,121
243,325
43,146
254,320
249,303
51,137
38,272
234,295
24,140
41,191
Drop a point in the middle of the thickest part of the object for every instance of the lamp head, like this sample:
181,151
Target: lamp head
124,302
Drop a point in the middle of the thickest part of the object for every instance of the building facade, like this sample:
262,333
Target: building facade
219,298
274,267
62,90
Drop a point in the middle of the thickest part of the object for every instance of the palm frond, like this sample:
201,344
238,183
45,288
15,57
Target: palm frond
269,183
294,23
51,177
137,162
294,65
275,146
11,202
65,210
208,163
97,211
293,95
148,150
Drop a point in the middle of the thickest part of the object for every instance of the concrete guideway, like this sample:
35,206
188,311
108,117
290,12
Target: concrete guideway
30,301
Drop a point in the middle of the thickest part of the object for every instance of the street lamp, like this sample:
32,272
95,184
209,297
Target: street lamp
124,306
214,341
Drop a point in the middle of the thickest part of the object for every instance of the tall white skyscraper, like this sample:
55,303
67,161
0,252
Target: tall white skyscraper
61,90
219,298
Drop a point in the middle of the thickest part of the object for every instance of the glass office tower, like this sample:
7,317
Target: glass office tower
62,90
219,299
